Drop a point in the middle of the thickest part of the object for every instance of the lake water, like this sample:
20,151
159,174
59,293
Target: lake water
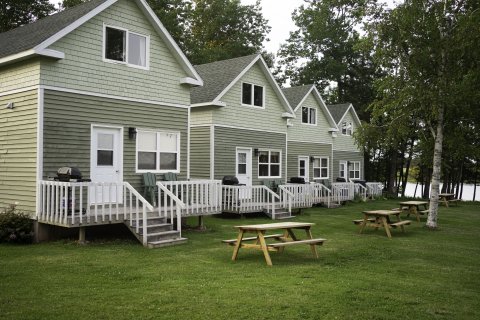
467,191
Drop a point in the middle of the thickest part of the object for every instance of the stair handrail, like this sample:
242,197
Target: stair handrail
290,197
145,206
328,191
274,196
178,203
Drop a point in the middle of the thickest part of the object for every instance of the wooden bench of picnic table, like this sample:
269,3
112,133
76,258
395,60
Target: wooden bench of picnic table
311,242
400,223
232,242
454,201
423,211
361,220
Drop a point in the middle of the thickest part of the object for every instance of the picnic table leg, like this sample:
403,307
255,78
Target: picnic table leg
364,223
386,226
415,212
263,244
237,245
313,247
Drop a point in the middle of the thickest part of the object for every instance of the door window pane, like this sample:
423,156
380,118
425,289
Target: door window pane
105,141
242,157
104,158
242,168
115,44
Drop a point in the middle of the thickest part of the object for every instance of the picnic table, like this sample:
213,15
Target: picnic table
447,198
381,219
413,207
285,239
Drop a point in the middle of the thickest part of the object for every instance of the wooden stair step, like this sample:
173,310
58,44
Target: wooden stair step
166,243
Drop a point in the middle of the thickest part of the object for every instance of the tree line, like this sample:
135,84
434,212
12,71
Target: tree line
411,71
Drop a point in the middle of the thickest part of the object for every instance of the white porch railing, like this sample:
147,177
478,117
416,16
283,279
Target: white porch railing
82,203
304,195
171,208
374,189
200,197
243,199
360,190
343,191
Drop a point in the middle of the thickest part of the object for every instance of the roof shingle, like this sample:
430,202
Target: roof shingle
29,36
295,95
338,110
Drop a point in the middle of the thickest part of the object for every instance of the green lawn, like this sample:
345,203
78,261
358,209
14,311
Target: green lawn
417,275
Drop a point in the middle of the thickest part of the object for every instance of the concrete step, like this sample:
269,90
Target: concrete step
283,215
166,243
160,236
156,228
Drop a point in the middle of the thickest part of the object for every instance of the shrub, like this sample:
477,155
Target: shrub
15,226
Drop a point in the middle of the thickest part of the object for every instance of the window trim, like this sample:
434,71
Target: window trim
269,163
352,164
308,123
253,93
346,124
327,167
147,47
158,170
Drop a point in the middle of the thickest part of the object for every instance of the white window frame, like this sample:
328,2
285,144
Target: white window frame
269,163
320,168
347,128
253,93
157,151
354,164
147,47
309,123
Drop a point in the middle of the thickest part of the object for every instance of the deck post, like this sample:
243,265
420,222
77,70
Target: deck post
81,235
201,225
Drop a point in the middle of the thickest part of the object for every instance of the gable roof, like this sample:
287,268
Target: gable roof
221,76
339,111
297,95
30,35
34,38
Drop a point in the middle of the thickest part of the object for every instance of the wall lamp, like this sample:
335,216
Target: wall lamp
10,105
132,133
255,152
312,158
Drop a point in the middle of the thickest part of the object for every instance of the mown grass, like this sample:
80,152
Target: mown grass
421,274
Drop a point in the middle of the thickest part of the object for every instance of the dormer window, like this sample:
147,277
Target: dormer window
347,128
123,46
309,115
252,95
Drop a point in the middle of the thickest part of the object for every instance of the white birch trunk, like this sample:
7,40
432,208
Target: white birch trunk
437,166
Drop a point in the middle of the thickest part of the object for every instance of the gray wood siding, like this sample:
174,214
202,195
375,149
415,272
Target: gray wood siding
18,150
235,114
84,69
228,139
347,156
200,153
22,74
305,132
296,149
346,143
67,130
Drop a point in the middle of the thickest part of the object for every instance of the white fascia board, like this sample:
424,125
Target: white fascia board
191,81
287,115
74,25
19,56
209,104
333,130
171,44
30,53
324,107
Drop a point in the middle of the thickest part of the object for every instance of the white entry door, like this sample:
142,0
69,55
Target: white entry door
244,166
303,167
343,170
106,164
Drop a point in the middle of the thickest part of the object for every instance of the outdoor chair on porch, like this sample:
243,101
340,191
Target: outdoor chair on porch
170,176
272,184
149,187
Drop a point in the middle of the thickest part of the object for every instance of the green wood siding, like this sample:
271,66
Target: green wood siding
67,129
342,142
228,139
202,115
234,114
296,149
347,156
84,69
19,75
304,132
18,150
200,153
